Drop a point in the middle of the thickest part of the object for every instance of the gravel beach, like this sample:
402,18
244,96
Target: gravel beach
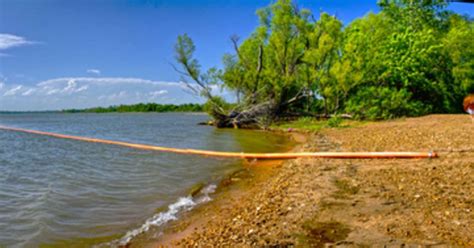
349,203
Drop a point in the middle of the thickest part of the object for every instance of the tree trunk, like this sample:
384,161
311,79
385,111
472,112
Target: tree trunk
257,116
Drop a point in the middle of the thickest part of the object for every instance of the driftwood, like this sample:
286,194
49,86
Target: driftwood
255,116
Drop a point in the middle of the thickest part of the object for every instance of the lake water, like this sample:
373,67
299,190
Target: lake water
55,191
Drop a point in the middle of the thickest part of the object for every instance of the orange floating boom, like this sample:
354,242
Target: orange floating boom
341,155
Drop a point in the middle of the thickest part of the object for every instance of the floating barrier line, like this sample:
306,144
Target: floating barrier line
291,155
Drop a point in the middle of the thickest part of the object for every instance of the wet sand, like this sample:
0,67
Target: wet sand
347,203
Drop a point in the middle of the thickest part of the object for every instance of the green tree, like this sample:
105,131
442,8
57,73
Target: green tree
459,45
324,40
413,57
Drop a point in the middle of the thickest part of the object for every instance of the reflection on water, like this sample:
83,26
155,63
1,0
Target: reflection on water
53,190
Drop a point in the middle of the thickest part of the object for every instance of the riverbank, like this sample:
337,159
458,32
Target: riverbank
240,183
314,202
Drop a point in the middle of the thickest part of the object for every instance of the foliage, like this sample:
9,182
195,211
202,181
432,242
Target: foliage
142,107
383,103
460,49
303,123
216,100
335,121
312,124
412,58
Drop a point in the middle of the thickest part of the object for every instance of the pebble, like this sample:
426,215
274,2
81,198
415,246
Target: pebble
439,186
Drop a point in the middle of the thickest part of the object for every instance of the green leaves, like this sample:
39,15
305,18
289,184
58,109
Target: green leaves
184,50
412,58
376,103
404,48
460,48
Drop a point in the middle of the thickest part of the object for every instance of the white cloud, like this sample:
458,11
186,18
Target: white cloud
158,93
71,85
13,91
107,80
70,88
93,71
119,95
10,40
85,92
52,92
114,96
28,92
82,88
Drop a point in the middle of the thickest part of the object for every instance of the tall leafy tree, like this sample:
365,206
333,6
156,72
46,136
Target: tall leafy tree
459,45
322,54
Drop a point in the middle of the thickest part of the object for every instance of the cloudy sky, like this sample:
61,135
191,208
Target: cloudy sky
75,54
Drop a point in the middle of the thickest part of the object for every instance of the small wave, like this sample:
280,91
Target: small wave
205,193
183,204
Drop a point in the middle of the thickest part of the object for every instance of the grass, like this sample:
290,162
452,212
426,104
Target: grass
310,124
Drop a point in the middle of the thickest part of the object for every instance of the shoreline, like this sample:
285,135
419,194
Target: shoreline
320,202
234,184
259,171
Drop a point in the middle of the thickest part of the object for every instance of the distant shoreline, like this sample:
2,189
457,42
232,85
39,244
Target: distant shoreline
132,108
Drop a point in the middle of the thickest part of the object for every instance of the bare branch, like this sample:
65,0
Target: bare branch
235,41
178,71
259,66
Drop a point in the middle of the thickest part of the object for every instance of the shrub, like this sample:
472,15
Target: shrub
375,103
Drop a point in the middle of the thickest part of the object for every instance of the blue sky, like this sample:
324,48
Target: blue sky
74,54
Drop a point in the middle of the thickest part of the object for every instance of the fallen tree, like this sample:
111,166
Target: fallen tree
242,115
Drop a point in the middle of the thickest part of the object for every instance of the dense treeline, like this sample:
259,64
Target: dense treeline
412,58
142,107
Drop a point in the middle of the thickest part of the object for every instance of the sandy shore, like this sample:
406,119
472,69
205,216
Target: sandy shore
348,203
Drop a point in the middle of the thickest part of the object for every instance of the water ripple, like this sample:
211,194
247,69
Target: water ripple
53,190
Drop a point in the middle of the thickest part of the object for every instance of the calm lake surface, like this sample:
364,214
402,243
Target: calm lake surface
55,191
